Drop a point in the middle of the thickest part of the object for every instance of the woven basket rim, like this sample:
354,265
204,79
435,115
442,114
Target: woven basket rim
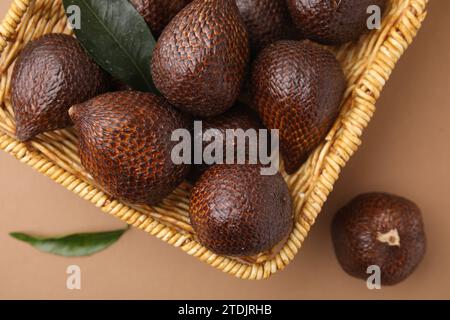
333,156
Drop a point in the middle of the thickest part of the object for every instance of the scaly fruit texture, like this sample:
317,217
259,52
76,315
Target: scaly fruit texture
379,229
125,144
332,22
236,211
50,75
200,59
158,13
267,21
238,117
297,87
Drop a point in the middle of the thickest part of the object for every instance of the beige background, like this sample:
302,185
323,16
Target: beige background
406,150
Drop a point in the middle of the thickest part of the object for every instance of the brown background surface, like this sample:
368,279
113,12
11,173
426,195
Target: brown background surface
406,151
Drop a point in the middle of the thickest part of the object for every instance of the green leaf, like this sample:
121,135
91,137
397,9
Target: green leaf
117,38
75,245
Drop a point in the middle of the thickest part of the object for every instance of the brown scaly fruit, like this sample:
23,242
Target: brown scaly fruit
238,117
125,144
50,75
236,211
297,88
199,61
158,13
332,22
379,229
267,21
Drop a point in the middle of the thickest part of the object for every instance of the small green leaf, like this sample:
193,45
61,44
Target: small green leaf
75,245
117,38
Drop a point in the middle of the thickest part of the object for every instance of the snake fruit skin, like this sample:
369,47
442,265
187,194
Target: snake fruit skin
238,117
332,22
125,144
356,231
158,13
50,75
236,211
200,60
267,21
297,87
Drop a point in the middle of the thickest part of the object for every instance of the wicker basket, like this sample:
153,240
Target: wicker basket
367,65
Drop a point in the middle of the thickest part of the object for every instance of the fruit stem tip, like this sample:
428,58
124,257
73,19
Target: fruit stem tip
392,238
